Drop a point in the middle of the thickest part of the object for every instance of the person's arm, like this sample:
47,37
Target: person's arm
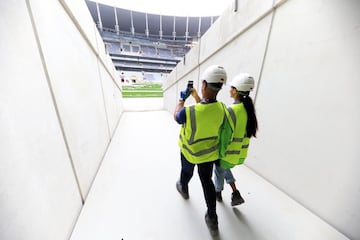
178,107
183,96
195,95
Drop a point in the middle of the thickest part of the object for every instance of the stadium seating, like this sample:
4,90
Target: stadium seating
143,45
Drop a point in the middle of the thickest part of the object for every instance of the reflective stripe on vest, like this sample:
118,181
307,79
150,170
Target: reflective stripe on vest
199,136
233,118
236,152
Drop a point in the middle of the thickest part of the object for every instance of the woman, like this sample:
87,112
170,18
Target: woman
245,125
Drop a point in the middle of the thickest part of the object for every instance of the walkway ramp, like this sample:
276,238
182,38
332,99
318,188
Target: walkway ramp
134,196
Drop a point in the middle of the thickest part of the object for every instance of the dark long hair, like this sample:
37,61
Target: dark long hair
252,124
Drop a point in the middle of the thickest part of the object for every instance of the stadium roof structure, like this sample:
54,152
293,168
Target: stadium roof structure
118,20
140,41
173,7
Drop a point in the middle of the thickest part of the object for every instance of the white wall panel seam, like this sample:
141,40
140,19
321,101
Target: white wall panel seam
83,34
232,38
265,54
104,101
189,71
53,96
198,60
95,175
116,126
244,30
177,90
99,59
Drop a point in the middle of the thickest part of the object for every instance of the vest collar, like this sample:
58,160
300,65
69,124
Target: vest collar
206,100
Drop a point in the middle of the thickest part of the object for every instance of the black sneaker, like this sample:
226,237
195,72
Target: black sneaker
212,224
218,196
236,198
179,187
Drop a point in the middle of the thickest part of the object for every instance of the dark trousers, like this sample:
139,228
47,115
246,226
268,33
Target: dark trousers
205,173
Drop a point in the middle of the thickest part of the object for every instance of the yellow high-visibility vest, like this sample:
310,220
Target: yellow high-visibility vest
236,151
199,135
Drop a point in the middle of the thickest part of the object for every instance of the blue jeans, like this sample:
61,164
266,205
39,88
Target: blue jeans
220,175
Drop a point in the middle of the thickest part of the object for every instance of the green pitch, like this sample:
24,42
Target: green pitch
142,91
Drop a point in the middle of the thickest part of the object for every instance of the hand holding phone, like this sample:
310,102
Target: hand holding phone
186,93
190,84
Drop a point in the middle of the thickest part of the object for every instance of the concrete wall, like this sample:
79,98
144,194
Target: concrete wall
59,106
304,55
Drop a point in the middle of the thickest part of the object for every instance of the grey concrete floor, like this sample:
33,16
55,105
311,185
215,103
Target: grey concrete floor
134,196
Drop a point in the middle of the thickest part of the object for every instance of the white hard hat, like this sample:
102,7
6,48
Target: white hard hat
214,74
243,82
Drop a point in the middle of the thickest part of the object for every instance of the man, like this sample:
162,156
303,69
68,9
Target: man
199,137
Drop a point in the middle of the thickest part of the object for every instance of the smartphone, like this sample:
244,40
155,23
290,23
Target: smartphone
190,84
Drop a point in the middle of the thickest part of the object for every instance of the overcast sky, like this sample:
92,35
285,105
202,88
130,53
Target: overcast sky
172,7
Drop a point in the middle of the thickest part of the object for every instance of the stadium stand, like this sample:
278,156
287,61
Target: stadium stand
146,43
